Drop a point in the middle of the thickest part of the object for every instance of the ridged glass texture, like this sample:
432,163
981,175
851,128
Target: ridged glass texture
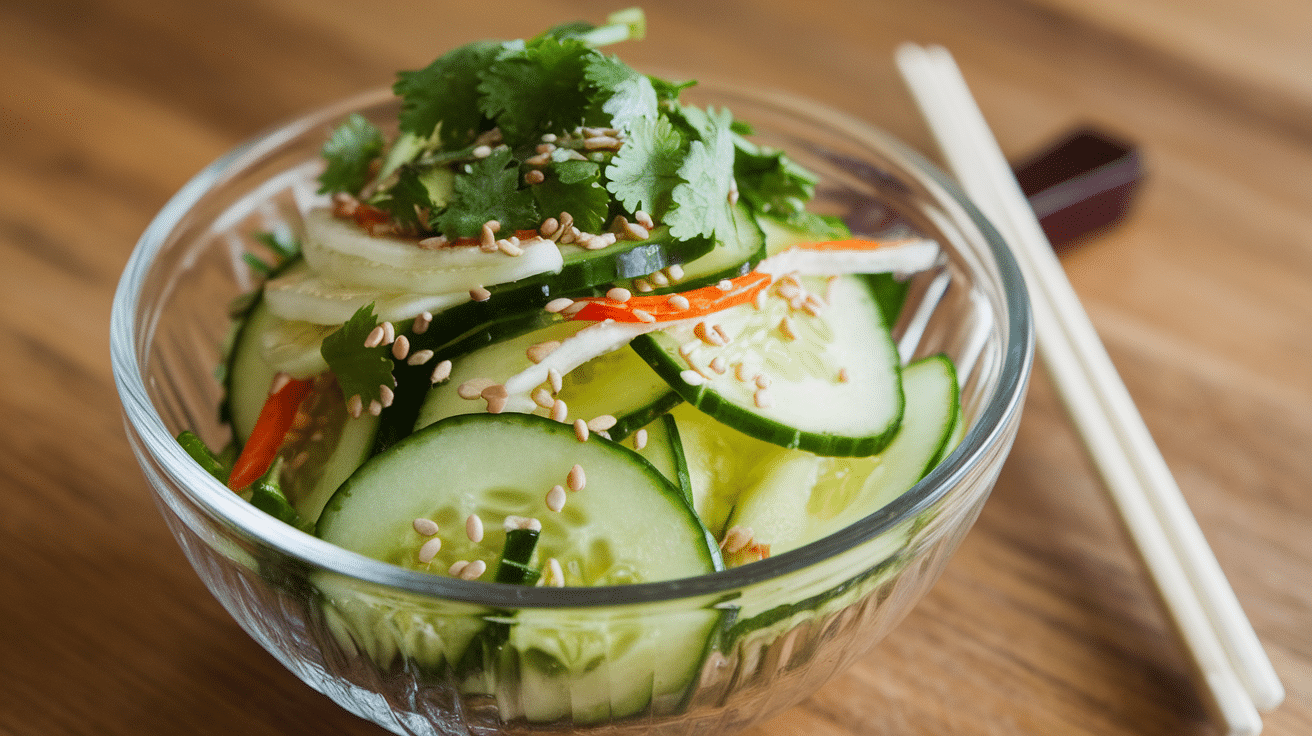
705,655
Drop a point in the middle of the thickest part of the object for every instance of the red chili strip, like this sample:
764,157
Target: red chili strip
270,430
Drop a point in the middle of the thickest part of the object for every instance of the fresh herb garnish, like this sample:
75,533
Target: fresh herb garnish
360,370
350,151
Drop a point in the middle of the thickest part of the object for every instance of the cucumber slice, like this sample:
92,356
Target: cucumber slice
787,512
620,384
834,385
302,295
664,450
628,524
729,258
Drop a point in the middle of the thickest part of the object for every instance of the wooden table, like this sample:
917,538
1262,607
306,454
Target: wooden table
1044,622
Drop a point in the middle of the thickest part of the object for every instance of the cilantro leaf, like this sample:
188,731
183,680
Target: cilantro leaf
771,182
488,190
443,96
537,89
645,171
580,195
626,94
701,202
350,151
359,370
407,199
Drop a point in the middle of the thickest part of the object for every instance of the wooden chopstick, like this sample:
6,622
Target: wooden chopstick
1233,667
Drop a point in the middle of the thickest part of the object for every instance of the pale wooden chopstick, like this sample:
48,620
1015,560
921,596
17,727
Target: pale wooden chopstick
1228,655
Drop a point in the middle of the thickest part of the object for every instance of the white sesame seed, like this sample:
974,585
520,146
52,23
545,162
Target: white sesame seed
549,227
355,406
557,381
386,395
457,567
619,294
843,376
600,142
581,430
643,285
786,327
813,306
763,399
540,159
513,522
508,247
422,322
441,371
556,498
724,285
675,271
640,439
679,302
549,138
374,338
635,231
473,388
401,347
737,539
758,301
707,334
430,549
479,294
692,378
433,243
534,176
602,423
555,575
643,316
426,527
659,278
389,333
688,349
574,308
474,528
279,382
577,480
644,219
539,352
482,151
762,380
419,357
474,570
375,407
557,305
496,397
719,364
569,234
722,333
559,411
542,397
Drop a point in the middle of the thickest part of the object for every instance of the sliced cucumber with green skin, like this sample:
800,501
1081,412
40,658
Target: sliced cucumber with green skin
729,258
264,346
664,450
831,377
786,513
620,384
302,295
627,525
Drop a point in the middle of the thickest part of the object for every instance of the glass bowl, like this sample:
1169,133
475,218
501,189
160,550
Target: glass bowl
709,654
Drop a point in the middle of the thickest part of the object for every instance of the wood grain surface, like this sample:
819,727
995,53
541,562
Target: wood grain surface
1044,622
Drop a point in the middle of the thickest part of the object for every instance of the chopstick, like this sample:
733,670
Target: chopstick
1234,670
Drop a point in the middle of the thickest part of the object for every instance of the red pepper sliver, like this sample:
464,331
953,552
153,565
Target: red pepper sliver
270,430
701,302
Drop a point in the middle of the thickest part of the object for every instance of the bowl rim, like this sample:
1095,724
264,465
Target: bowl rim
152,440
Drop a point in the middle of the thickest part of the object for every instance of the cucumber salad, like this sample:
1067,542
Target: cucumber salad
556,327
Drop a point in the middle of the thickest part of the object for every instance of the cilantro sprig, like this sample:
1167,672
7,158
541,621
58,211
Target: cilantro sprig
360,370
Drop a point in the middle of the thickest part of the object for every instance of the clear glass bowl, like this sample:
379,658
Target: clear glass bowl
704,655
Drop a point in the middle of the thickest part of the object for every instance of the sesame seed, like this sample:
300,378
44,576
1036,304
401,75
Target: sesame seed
441,372
555,576
574,308
549,227
619,294
557,381
389,333
556,498
737,539
688,349
569,234
539,352
479,294
549,138
474,570
375,407
675,271
430,549
600,142
545,147
644,219
426,527
659,278
643,285
602,423
733,196
496,397
542,398
581,430
355,406
566,220
510,248
843,376
692,378
279,382
401,347
482,151
559,412
488,237
758,301
386,395
643,316
473,388
422,322
786,327
679,302
640,439
763,399
474,528
577,479
813,306
419,357
724,285
742,372
636,232
534,176
722,333
521,522
540,159
457,568
433,243
374,338
707,334
719,364
762,380
557,305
